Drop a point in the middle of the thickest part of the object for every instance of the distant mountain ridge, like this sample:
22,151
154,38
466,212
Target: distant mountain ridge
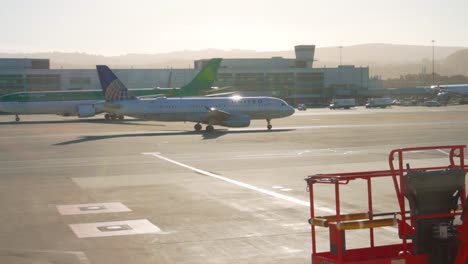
386,60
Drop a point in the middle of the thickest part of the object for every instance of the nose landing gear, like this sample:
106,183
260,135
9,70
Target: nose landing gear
114,117
269,126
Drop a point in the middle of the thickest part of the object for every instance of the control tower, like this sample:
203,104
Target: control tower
304,56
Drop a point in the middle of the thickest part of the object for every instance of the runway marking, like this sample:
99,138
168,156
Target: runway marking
92,208
80,255
445,152
250,187
119,228
238,183
263,155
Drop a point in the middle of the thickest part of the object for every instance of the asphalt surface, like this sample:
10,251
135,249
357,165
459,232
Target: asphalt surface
90,191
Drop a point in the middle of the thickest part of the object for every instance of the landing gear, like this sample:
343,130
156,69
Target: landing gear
17,119
269,126
198,127
209,128
114,117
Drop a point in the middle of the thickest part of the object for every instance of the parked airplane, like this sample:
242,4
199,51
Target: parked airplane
232,111
446,91
455,88
80,103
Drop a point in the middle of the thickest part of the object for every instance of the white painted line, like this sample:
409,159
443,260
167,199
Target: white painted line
135,227
303,152
92,208
443,152
238,183
263,155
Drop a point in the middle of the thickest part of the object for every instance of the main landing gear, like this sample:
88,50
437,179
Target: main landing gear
269,126
113,117
198,127
17,119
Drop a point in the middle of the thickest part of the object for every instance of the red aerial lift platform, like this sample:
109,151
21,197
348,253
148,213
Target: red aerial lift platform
433,230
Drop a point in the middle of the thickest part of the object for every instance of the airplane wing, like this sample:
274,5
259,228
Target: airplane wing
215,116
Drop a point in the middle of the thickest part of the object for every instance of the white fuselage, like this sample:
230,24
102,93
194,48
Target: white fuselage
65,108
196,109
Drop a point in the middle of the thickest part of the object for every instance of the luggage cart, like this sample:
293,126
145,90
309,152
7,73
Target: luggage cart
428,232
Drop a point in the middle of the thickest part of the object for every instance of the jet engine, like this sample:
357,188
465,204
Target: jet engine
237,121
85,111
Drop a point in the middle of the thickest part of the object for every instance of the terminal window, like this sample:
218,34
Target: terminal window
43,82
80,81
11,83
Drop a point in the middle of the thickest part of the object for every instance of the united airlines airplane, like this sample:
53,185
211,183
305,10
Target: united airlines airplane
232,111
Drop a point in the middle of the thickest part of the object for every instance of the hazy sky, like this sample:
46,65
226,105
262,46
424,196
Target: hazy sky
114,27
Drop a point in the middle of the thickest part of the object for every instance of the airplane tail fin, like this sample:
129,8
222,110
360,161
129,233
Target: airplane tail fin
112,88
204,80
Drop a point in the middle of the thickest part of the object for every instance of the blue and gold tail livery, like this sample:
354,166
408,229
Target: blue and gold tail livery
112,88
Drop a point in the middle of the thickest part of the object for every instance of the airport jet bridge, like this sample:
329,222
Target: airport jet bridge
433,230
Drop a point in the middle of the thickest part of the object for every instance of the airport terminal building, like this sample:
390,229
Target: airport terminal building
293,79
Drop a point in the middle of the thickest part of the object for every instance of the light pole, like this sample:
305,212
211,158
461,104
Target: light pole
341,48
433,73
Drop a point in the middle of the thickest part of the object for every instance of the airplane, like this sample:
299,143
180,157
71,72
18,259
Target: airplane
234,111
80,103
455,88
446,91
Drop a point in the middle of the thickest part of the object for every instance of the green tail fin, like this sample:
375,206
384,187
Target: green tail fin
204,80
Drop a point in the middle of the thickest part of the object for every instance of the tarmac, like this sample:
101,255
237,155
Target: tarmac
91,191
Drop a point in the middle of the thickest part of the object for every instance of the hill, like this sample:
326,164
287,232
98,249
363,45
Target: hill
386,60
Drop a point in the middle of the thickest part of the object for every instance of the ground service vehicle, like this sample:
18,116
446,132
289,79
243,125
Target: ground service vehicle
378,102
432,103
433,230
301,107
342,103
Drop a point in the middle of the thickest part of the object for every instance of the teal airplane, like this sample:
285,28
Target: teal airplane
81,103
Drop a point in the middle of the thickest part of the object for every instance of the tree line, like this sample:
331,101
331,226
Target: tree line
417,80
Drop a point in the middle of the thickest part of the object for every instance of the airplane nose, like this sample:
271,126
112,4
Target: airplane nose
291,110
